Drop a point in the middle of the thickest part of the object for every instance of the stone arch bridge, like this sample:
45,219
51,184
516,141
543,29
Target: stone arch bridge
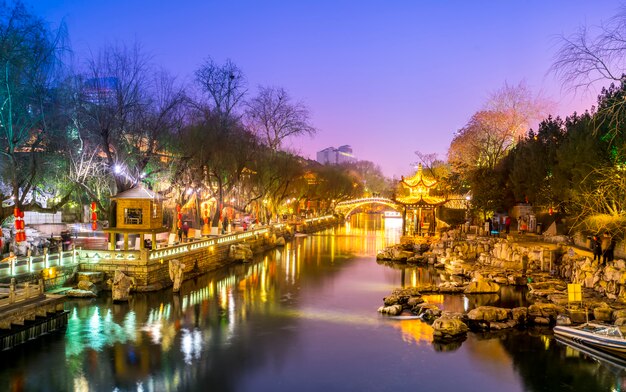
349,206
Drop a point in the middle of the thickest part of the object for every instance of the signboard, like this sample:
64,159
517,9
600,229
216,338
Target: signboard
574,292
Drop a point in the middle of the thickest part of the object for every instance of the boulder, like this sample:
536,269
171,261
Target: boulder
539,312
120,286
482,286
280,241
241,252
577,316
445,328
603,313
78,293
87,286
488,314
427,312
392,310
176,269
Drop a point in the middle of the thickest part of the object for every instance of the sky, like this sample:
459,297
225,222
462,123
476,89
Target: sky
386,77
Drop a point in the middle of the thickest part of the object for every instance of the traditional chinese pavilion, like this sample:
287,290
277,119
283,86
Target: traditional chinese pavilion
420,207
138,211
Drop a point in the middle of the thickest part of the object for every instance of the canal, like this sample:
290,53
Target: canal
299,318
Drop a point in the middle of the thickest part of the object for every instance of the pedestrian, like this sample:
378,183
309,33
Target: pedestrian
186,230
225,225
605,244
507,224
596,246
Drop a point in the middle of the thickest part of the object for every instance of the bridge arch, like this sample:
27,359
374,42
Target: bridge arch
349,206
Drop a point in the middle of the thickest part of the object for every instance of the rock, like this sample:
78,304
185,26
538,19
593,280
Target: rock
483,286
544,311
392,310
78,293
488,314
520,315
120,286
280,241
176,269
427,312
577,316
603,313
414,301
562,319
241,252
87,286
445,328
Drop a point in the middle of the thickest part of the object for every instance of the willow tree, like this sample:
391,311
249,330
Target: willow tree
30,111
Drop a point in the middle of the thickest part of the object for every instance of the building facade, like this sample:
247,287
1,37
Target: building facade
335,156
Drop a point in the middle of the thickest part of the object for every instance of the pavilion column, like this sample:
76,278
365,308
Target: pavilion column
154,244
141,243
404,220
125,241
112,237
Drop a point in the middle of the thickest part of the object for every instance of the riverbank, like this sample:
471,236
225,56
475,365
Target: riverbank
545,265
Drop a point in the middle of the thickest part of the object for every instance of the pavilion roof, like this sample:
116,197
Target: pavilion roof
138,192
421,200
418,180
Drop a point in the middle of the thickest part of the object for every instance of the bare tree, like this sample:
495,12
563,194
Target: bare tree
130,111
274,117
225,85
593,55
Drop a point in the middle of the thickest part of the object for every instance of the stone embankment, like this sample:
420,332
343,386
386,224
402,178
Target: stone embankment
482,264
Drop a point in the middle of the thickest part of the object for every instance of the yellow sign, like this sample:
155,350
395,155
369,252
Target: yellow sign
574,292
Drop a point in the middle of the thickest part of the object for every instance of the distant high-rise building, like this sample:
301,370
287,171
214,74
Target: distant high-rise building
334,156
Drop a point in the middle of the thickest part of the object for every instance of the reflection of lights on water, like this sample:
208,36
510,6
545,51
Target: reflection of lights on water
130,326
465,303
191,345
415,331
81,384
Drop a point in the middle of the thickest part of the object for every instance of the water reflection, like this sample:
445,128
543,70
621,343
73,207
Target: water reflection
302,317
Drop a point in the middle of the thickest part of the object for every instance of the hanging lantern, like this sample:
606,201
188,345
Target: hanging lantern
21,214
179,217
94,216
16,212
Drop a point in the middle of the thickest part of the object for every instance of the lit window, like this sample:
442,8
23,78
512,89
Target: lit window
133,216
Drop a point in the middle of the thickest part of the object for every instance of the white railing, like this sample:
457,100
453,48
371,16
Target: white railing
28,264
12,293
12,266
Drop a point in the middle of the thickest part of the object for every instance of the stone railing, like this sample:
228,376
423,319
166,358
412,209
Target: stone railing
12,293
30,264
12,266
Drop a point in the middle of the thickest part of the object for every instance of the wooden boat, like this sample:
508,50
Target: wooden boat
605,338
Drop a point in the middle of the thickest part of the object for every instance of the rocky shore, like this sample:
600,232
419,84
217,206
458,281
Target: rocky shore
475,265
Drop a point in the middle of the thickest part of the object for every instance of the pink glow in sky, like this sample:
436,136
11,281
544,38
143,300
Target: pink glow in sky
386,77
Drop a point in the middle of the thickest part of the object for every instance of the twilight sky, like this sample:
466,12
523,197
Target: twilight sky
386,77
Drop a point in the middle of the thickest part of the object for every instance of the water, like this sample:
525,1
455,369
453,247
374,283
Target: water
302,318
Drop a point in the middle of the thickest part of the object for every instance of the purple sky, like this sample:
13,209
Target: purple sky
386,77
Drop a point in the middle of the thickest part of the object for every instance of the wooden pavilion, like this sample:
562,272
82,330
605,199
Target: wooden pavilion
420,207
138,211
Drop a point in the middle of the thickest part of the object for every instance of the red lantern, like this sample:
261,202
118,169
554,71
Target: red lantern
22,214
16,211
93,206
94,216
94,226
19,224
